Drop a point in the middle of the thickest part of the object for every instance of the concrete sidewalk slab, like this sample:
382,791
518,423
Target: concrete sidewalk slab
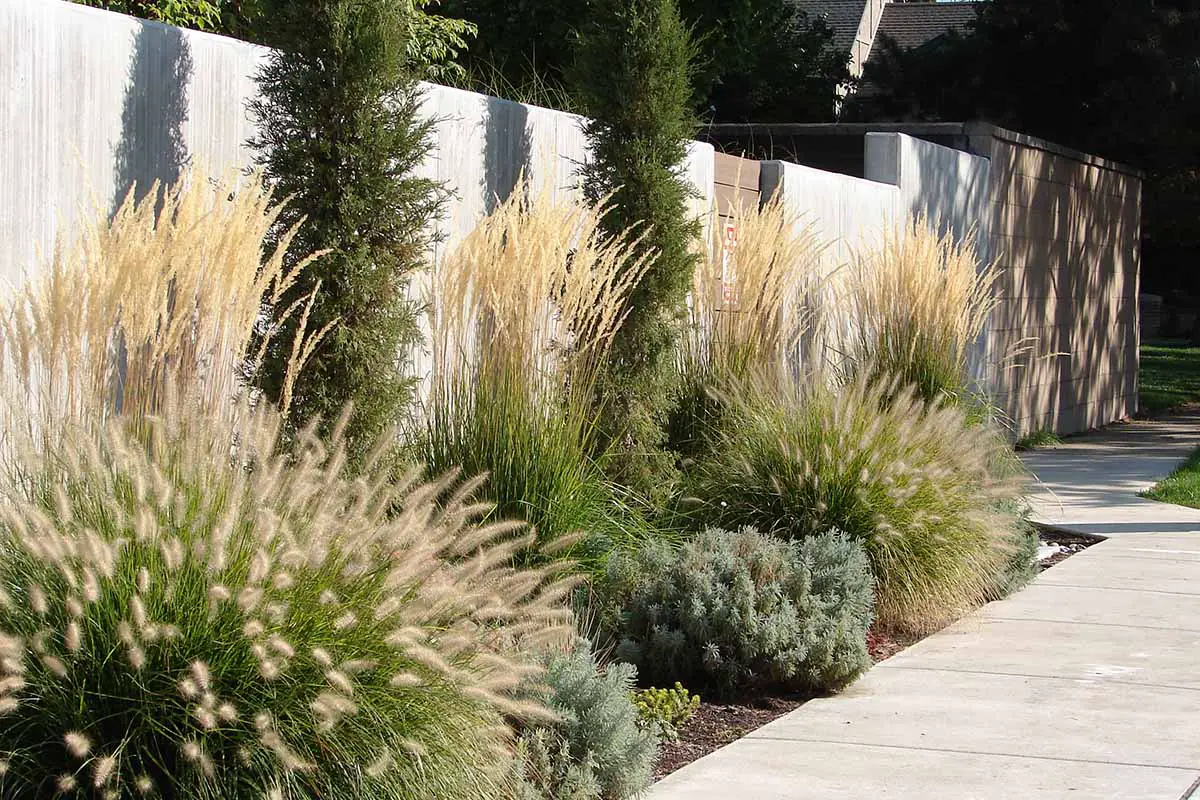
1058,649
1090,483
1004,715
1089,606
830,771
1101,571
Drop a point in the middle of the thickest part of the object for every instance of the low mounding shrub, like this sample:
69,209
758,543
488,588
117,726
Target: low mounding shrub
730,611
597,749
917,484
185,618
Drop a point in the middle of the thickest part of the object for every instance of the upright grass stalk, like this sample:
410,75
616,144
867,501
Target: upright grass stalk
747,314
524,313
920,302
156,307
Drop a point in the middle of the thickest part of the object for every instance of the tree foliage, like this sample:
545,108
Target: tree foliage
340,134
632,77
756,59
436,41
1118,79
764,61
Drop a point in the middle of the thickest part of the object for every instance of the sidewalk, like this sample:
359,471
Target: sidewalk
1084,685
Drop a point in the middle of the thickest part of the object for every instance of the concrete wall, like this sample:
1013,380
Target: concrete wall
1066,232
95,102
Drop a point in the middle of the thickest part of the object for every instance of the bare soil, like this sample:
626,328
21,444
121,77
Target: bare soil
715,725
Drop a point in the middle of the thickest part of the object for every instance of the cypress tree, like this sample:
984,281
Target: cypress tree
340,134
632,77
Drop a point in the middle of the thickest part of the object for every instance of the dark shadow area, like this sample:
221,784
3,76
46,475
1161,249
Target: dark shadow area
152,146
507,151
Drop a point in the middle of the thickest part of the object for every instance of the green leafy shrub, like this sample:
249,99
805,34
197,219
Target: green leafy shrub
189,619
665,710
734,610
598,749
922,487
632,78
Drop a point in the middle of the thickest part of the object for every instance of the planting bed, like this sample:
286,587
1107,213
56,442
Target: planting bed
715,725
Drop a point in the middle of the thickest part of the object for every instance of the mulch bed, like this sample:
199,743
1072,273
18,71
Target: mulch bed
715,725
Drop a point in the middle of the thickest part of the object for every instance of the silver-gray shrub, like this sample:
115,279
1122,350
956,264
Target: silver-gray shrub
729,611
597,751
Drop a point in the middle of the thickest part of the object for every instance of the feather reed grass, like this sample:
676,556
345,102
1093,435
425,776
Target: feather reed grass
919,303
524,313
156,306
747,314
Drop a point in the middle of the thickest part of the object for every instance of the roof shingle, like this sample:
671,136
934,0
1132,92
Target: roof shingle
843,16
914,24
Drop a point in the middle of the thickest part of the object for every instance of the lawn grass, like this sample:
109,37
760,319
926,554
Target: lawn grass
1181,487
1170,374
1042,437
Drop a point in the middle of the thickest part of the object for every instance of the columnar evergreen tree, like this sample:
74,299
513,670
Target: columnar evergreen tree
340,134
632,77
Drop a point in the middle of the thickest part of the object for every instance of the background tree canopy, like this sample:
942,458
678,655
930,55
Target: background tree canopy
1120,79
756,59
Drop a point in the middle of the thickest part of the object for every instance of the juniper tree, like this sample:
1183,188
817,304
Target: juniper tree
340,134
632,77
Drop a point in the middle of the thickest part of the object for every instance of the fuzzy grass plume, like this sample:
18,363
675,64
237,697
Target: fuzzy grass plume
929,492
919,302
524,312
180,619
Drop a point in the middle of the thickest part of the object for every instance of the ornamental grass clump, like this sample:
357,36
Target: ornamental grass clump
919,303
925,489
155,307
191,607
187,618
733,611
747,314
523,315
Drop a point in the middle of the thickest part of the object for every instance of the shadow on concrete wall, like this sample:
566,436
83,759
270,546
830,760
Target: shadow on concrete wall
152,146
1068,236
507,152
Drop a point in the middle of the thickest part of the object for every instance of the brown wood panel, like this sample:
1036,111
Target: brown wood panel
727,197
734,171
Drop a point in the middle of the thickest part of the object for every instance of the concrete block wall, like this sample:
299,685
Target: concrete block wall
846,214
1066,234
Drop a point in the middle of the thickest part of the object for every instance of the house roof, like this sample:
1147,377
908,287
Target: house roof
914,24
843,16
